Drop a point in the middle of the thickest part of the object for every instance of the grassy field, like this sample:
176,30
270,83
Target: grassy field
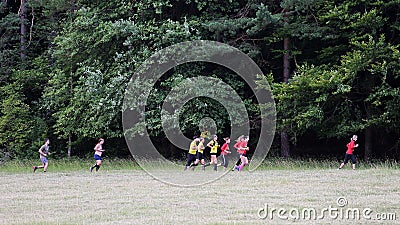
121,193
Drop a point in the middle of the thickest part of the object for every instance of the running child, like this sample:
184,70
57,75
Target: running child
97,155
242,150
191,157
224,152
349,153
213,144
199,155
237,146
43,152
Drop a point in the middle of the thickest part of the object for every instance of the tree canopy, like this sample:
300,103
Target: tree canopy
65,65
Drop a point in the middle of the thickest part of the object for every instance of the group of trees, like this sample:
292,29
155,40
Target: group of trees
333,67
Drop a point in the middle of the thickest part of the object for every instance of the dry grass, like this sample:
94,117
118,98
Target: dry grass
133,197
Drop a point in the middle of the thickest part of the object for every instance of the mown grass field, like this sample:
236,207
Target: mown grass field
122,193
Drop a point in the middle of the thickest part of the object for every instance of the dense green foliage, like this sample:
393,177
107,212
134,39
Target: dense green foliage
79,55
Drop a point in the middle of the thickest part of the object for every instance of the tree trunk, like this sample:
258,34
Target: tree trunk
218,36
285,147
70,134
69,145
51,41
368,143
286,62
22,16
285,144
368,130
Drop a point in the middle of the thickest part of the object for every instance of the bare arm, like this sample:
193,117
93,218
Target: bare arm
99,148
41,152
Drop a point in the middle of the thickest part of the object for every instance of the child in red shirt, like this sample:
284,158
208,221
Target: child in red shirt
237,146
242,150
349,153
225,151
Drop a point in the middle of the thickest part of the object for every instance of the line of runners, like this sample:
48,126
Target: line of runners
44,153
196,153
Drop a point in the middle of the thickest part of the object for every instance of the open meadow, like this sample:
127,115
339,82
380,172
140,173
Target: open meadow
266,196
